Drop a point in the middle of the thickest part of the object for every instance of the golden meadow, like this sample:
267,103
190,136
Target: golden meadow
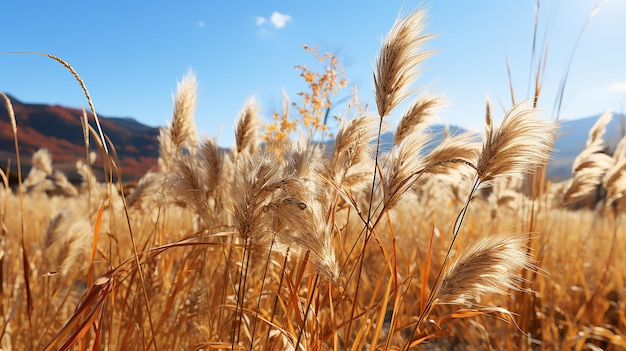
282,243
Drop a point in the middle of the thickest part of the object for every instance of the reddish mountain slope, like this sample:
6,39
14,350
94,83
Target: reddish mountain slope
59,129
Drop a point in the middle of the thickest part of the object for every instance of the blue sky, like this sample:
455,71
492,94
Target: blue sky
132,53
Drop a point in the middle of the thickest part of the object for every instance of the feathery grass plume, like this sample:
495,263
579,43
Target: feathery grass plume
36,180
302,160
595,143
505,194
256,184
212,163
585,182
521,144
166,150
55,230
145,193
420,112
181,132
396,65
594,146
187,186
213,167
304,227
590,159
248,123
488,118
489,266
72,236
183,128
351,160
614,182
591,165
78,246
195,180
403,166
620,150
258,178
599,128
353,139
63,184
300,213
454,153
43,160
84,170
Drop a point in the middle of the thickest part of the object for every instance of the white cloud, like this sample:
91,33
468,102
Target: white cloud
260,20
279,20
618,87
276,20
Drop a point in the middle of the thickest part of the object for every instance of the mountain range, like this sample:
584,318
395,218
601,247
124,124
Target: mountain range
59,129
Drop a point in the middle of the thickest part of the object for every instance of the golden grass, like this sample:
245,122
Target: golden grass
300,250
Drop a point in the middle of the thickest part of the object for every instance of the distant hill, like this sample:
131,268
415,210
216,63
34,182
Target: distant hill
59,129
572,139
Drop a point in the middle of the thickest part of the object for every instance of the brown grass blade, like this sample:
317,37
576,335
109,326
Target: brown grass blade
426,270
91,304
94,245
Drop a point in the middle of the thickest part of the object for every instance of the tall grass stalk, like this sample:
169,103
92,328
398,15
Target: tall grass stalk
302,247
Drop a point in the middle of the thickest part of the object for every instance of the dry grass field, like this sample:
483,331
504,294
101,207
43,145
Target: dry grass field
285,245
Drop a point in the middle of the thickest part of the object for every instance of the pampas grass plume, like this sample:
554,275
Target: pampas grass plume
396,65
183,128
246,131
416,117
521,144
489,266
